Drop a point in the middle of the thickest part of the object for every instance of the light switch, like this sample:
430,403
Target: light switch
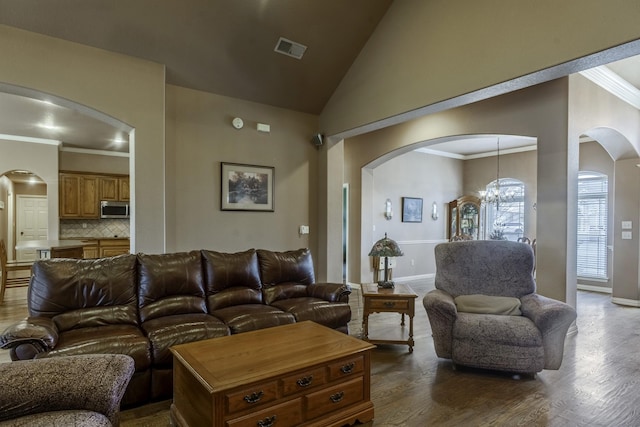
627,225
304,229
626,235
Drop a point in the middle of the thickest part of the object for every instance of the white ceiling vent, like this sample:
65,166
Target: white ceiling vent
290,48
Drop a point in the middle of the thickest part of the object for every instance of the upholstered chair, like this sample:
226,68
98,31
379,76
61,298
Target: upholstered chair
485,312
82,390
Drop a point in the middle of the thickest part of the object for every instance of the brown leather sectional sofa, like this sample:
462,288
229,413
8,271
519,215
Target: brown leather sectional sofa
141,305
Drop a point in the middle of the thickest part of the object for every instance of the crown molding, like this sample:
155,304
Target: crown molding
21,138
613,83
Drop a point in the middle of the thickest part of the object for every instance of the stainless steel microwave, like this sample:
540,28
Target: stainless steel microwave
109,209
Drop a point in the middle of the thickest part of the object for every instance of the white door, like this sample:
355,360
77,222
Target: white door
31,223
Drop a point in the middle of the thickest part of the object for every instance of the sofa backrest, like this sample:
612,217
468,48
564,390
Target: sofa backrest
285,274
231,278
488,267
170,284
84,293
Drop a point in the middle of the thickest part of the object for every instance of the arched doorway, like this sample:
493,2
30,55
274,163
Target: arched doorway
24,213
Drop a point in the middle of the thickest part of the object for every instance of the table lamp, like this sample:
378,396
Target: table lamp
385,248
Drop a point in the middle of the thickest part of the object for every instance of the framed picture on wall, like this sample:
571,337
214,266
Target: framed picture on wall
411,209
247,187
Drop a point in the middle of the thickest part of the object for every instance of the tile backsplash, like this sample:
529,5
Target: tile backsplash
94,228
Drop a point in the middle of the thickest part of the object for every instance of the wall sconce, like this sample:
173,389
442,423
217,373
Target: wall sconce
434,211
388,212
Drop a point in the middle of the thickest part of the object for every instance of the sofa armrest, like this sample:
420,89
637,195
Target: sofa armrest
39,332
442,312
553,318
332,292
85,382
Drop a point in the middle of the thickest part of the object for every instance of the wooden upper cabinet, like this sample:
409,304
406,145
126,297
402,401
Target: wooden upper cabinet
114,188
123,188
109,188
79,196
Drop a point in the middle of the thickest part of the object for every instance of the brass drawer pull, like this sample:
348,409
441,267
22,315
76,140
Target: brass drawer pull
267,422
389,304
335,398
254,397
348,368
305,381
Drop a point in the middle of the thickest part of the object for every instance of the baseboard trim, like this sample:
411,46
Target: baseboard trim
626,301
601,289
416,277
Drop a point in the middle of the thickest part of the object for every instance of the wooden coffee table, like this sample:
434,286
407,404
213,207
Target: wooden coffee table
399,299
302,374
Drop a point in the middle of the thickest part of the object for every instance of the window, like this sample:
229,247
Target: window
592,225
505,217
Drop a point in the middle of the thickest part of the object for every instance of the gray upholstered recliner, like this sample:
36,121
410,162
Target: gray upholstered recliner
64,391
484,312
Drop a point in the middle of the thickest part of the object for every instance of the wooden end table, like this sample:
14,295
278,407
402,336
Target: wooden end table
400,299
296,375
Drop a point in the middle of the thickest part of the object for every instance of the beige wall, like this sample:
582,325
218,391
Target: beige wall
522,166
200,136
414,174
5,188
538,112
40,159
128,89
415,57
96,163
616,126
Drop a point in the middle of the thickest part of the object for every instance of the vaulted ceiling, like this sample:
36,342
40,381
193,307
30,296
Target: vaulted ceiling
220,46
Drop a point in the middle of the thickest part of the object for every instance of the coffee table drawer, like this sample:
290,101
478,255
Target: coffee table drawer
287,414
389,304
345,368
303,381
333,398
252,397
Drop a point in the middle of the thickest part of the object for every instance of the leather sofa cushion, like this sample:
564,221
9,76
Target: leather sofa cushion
234,296
332,315
283,291
285,274
231,270
114,339
85,293
168,331
249,317
289,266
170,284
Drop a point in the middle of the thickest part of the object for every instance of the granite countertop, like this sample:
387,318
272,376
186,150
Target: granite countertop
48,244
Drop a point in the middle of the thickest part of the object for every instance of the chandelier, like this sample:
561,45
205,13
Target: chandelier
494,194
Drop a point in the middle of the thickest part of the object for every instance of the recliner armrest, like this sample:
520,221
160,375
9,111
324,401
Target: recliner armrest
546,313
332,292
442,312
553,318
40,332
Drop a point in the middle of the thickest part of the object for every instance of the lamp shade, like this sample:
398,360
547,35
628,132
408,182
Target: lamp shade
385,248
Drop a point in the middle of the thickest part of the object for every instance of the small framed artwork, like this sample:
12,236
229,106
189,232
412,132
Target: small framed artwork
247,187
411,209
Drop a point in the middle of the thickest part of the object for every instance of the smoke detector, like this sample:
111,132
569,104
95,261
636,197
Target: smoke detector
290,48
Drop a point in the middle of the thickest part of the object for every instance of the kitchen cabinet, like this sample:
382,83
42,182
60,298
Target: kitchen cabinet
113,247
79,196
114,188
91,250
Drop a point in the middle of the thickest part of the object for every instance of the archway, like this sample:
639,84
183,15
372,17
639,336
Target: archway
23,199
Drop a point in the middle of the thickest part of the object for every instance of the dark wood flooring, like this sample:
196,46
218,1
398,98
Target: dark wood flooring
597,385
